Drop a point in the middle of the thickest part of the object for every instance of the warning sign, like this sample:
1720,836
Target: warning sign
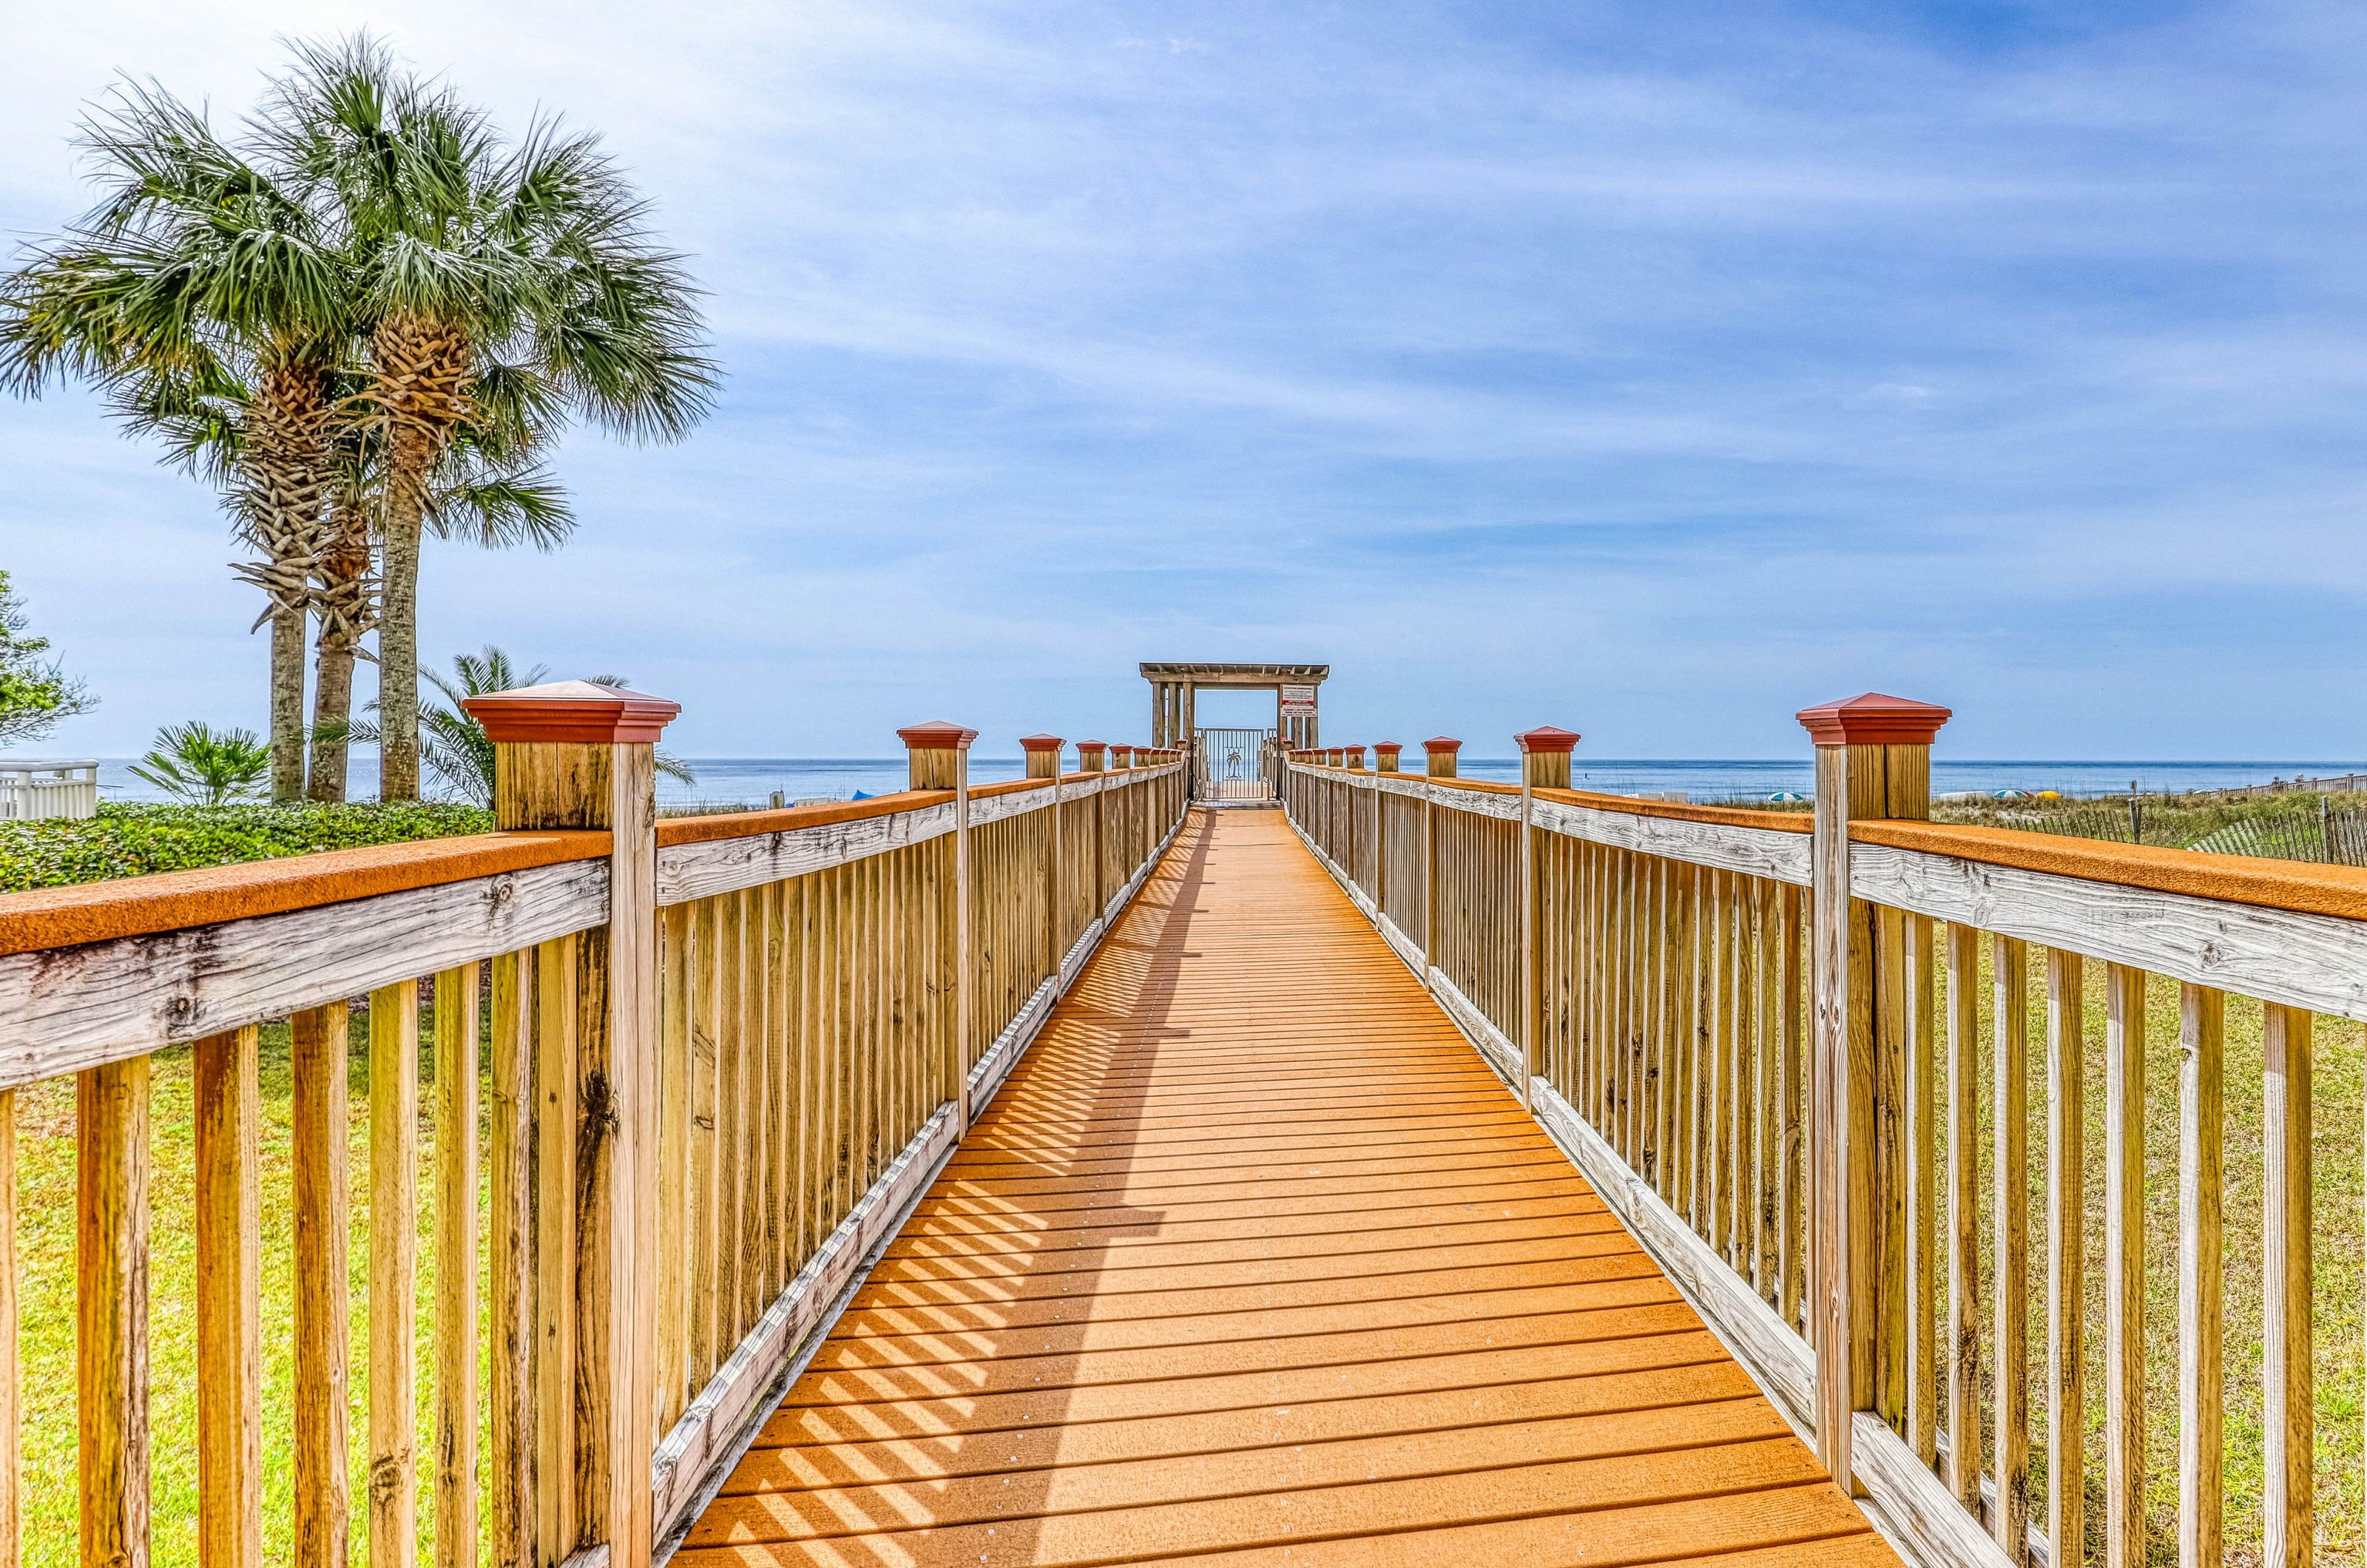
1298,702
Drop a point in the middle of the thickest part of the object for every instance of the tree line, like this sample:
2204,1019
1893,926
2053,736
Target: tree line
365,319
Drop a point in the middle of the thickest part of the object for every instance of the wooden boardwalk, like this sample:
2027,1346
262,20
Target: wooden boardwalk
1255,1262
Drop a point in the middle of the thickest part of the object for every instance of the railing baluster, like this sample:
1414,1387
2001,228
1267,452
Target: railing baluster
455,1342
111,1337
1964,1218
1791,1131
2200,1393
1922,1183
317,1149
2288,1415
555,1118
734,1269
510,1263
393,1273
12,1393
2066,1274
673,1261
2124,1266
229,1118
2009,1169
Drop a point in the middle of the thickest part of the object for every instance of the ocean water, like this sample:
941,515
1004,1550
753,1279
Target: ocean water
752,780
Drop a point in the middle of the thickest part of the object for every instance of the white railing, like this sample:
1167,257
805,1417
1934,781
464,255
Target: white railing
33,789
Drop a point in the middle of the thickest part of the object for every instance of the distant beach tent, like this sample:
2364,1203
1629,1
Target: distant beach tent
1784,795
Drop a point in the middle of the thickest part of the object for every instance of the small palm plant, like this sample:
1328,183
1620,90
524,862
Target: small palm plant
193,763
454,747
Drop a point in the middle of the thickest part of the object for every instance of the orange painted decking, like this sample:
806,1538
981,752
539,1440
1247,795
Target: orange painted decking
1255,1262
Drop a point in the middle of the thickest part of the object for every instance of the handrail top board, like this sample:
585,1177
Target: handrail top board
43,918
1671,810
2295,887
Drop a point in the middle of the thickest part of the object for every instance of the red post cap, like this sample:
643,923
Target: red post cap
1545,739
1438,743
1091,746
571,711
1040,743
1390,748
1874,720
936,735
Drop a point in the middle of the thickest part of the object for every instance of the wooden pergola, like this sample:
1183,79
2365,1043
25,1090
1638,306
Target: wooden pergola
1293,686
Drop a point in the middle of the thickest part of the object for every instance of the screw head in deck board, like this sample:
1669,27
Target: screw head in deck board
938,734
576,711
1874,720
1545,740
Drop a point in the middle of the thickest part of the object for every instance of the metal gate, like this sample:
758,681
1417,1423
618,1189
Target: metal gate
1233,765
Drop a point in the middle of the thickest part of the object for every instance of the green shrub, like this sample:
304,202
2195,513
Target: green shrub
127,840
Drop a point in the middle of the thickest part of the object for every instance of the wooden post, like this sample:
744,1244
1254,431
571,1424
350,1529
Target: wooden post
1544,757
576,755
939,755
1042,752
1874,760
1384,756
1091,756
1440,750
1355,757
1121,757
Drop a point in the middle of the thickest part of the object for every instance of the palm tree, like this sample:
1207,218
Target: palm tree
490,489
198,280
470,255
191,762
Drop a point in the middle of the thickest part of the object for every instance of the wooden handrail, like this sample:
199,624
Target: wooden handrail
2300,886
49,918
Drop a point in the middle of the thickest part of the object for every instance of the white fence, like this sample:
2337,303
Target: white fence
35,789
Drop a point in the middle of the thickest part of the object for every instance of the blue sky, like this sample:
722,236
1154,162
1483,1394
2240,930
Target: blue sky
1653,369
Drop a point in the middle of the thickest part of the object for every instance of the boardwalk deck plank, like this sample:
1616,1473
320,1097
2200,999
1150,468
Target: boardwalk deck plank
1254,1262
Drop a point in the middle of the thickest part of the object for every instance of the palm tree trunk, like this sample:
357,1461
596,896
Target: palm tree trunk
347,599
398,657
421,367
287,702
281,485
332,710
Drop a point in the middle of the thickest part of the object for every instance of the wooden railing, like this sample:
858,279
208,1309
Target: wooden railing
1849,1079
720,1059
